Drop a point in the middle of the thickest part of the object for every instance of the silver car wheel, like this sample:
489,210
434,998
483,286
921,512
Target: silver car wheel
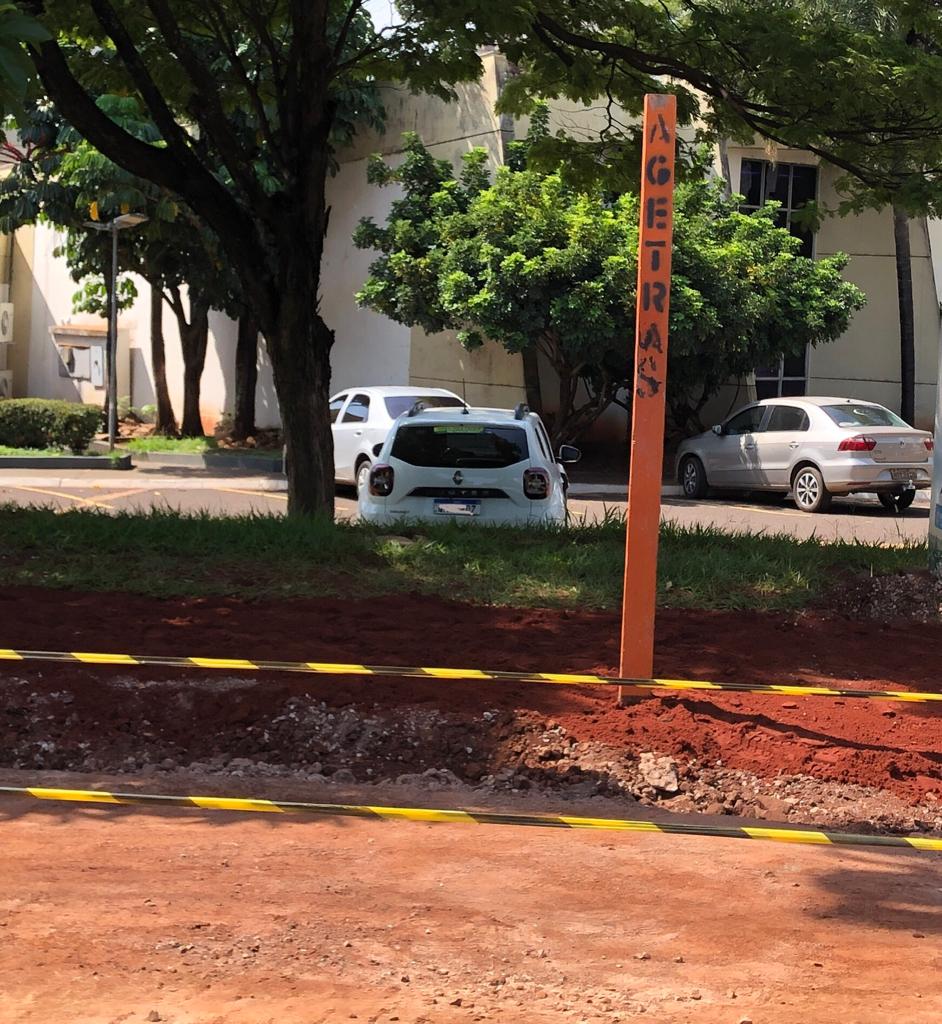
806,489
363,476
691,478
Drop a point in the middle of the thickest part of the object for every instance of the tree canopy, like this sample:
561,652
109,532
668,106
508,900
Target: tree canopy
531,262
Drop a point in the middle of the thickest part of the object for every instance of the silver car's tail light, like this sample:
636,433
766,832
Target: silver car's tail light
536,484
930,444
382,478
860,443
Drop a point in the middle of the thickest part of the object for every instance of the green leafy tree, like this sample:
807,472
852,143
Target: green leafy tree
304,72
853,81
59,177
536,264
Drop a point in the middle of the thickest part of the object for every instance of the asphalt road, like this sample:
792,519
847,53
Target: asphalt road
859,518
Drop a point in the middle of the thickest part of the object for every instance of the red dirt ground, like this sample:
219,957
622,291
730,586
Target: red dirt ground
895,747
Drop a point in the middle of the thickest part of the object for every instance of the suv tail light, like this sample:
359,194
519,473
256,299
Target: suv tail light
382,478
930,444
536,484
860,443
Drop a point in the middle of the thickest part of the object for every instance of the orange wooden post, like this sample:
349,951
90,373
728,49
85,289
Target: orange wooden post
650,381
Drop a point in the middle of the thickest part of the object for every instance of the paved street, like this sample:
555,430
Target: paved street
141,489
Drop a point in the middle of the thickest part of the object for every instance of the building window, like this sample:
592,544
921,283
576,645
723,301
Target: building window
786,379
791,185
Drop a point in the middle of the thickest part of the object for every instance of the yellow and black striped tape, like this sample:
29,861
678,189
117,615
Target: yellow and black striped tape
380,813
329,668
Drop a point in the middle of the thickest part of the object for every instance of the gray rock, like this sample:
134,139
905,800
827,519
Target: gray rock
343,777
659,773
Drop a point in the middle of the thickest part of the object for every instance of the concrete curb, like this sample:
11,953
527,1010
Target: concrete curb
87,462
148,483
211,460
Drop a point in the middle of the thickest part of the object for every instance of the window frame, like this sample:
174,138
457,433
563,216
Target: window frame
757,429
354,399
342,398
769,429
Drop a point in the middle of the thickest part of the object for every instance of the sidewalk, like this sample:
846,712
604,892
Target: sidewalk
165,477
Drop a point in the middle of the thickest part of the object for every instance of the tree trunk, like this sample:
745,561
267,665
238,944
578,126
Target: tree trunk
907,330
531,379
300,358
246,378
194,338
166,423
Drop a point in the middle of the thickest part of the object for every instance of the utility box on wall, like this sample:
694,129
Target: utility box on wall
6,340
81,352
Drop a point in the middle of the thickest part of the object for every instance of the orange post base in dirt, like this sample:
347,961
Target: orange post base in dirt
650,382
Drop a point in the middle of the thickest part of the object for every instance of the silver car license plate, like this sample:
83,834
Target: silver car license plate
903,476
457,507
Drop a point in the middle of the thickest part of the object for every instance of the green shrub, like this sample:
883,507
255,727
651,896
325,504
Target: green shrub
47,423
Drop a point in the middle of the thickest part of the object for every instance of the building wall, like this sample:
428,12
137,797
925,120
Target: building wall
864,362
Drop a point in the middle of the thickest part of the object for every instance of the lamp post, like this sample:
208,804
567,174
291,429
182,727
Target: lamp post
113,226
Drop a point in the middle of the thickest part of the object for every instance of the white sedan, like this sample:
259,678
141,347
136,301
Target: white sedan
814,448
491,466
361,418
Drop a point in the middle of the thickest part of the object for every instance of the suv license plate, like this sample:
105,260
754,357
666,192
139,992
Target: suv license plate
904,476
453,507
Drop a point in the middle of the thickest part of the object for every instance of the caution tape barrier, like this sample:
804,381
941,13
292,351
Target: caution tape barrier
470,674
380,813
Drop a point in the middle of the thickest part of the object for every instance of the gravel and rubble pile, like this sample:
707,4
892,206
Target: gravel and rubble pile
498,749
916,596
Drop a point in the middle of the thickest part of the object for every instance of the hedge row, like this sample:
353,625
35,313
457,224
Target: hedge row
47,423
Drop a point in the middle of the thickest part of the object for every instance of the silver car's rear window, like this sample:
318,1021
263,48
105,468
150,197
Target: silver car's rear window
860,415
396,405
460,444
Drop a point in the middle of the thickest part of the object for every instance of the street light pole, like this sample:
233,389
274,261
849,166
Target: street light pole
112,353
116,224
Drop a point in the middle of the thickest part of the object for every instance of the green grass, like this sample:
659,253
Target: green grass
169,554
32,452
180,445
52,453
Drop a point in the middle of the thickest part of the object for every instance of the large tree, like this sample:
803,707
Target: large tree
302,70
535,264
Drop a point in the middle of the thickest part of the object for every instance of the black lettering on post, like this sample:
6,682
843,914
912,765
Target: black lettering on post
653,294
656,170
655,213
655,248
659,128
651,339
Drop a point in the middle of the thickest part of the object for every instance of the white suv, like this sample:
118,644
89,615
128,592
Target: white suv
361,418
491,466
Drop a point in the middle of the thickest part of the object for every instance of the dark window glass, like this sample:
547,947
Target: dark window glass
396,405
766,389
804,185
750,182
458,445
793,366
746,422
335,406
778,178
787,417
793,388
863,416
358,411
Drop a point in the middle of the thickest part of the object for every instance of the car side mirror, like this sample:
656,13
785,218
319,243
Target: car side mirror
377,448
568,454
718,430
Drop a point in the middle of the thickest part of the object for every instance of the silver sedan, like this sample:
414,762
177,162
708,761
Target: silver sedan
814,448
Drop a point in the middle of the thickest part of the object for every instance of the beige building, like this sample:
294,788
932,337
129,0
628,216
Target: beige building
55,353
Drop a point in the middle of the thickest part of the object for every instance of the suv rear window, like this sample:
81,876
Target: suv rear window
851,415
396,405
460,444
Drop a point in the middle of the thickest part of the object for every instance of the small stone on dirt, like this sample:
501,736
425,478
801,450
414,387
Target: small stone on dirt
659,772
344,777
153,1016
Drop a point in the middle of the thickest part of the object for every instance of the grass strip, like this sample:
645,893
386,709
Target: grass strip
167,554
